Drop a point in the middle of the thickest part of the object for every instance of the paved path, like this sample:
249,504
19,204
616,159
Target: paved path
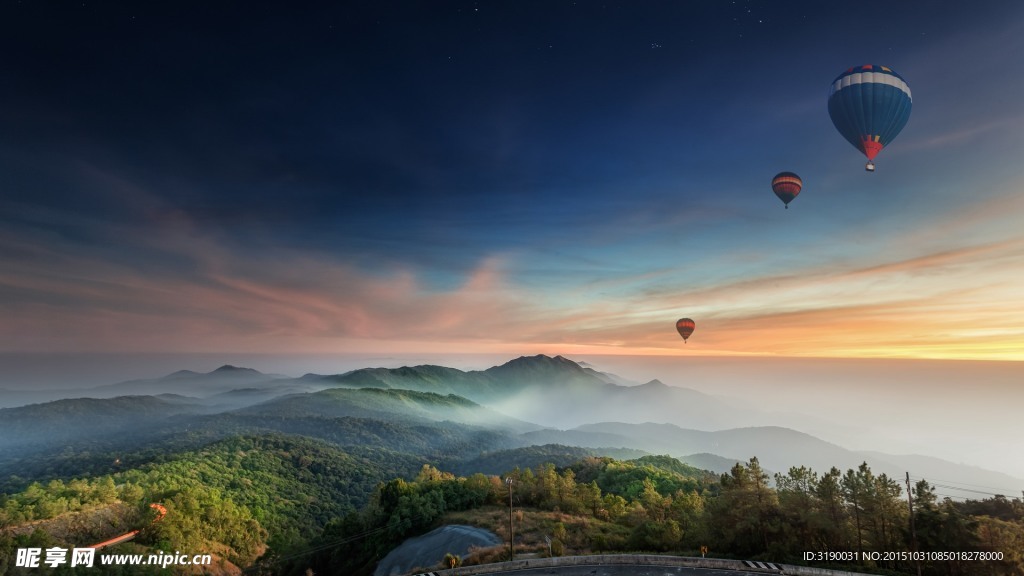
429,550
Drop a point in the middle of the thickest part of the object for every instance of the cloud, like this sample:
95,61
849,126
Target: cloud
960,135
199,291
953,303
162,281
239,299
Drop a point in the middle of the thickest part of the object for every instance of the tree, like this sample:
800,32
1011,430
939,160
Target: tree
854,488
995,535
831,521
744,516
589,496
798,506
891,517
687,509
656,505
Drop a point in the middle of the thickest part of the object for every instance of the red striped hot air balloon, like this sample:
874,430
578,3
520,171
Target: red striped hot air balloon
786,186
685,327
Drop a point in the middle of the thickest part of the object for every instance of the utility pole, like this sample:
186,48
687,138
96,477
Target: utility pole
913,531
511,529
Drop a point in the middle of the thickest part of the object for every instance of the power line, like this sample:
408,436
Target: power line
334,543
331,544
966,484
950,496
951,485
958,489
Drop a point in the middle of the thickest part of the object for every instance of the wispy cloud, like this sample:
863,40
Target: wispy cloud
944,303
238,298
961,135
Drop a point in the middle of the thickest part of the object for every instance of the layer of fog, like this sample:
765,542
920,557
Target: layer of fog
961,411
964,412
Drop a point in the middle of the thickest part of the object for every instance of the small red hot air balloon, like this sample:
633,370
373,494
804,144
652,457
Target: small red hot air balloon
685,327
786,186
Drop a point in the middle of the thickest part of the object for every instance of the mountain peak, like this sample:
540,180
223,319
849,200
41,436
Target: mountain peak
542,362
182,374
232,370
541,368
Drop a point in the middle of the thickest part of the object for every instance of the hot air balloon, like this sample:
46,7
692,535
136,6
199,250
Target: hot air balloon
869,106
685,327
786,186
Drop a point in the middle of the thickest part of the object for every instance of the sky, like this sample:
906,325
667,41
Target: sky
506,178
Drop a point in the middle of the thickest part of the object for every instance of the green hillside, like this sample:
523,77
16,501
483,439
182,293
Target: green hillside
657,505
238,495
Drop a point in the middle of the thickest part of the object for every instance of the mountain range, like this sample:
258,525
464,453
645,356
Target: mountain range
443,414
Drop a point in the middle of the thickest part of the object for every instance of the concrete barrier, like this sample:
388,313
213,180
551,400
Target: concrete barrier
639,560
809,571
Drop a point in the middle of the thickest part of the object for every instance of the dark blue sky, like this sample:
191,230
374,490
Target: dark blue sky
193,165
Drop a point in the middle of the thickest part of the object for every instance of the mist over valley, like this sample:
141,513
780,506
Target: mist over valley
528,401
235,441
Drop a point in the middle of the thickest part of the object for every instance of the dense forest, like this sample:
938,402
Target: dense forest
236,497
657,504
284,504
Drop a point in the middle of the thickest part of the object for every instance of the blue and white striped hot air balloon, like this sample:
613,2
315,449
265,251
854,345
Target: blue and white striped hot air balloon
869,105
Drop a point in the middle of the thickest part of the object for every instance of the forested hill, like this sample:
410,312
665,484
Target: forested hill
129,446
656,504
291,505
234,496
500,461
389,404
496,383
63,421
